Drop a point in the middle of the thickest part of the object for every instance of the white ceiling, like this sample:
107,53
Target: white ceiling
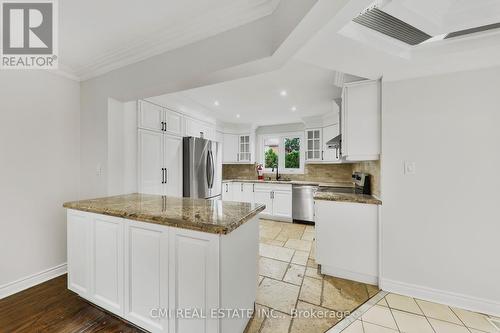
98,36
348,47
258,100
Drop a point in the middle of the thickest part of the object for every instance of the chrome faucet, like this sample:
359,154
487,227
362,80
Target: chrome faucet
277,172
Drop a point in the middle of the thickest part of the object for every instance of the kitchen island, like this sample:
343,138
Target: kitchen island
166,264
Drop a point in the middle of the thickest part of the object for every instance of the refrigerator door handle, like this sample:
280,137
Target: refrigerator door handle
213,169
208,171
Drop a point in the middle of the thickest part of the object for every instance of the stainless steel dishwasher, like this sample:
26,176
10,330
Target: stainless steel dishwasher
303,202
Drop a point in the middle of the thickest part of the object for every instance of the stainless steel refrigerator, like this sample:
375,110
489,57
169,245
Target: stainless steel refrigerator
202,168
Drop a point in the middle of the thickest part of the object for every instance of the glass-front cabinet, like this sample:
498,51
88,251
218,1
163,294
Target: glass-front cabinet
244,154
313,145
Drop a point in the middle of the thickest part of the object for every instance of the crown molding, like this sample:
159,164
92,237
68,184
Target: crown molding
239,13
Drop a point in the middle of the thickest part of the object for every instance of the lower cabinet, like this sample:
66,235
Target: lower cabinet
145,272
342,225
277,198
107,262
146,275
282,204
263,195
227,191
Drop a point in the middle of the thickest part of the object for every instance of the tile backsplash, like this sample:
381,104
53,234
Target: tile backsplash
313,172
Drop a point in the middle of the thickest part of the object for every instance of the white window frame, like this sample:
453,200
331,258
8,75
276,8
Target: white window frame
281,150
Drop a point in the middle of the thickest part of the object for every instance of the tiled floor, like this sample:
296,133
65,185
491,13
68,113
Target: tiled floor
396,313
289,284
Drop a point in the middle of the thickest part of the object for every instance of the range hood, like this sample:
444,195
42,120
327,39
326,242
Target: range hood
335,143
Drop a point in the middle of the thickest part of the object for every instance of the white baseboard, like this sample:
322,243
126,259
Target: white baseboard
32,280
349,275
467,302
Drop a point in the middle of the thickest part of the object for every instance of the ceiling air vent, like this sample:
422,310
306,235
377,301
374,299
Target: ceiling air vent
390,26
473,30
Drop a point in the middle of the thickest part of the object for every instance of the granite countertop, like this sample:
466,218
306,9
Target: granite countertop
292,182
347,197
213,216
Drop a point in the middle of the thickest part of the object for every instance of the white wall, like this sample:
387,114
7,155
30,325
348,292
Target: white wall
441,226
39,163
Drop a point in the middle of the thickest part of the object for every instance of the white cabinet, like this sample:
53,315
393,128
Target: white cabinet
146,274
282,207
173,122
156,118
330,132
263,195
173,165
150,162
139,270
244,148
159,163
227,191
107,262
237,191
361,120
230,154
78,233
247,194
337,226
277,198
238,148
195,280
150,116
313,144
198,129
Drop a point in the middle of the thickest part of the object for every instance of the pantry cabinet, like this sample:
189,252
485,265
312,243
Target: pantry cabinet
159,163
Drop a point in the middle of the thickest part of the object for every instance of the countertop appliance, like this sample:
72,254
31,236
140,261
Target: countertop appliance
361,183
303,202
202,168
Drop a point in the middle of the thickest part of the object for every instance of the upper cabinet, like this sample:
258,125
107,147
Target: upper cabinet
314,144
244,153
199,129
238,148
156,118
360,120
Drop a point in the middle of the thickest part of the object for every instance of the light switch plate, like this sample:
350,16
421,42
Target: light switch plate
410,168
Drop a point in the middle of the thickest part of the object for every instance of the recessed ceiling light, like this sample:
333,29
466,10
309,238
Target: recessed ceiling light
216,103
294,108
283,93
238,115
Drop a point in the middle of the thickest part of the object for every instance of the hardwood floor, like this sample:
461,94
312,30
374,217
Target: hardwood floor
50,307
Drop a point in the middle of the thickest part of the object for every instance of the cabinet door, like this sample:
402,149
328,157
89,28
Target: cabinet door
227,191
194,278
329,132
173,165
282,204
248,193
237,191
146,275
150,116
313,145
361,121
262,195
173,122
107,262
230,154
244,154
78,252
150,162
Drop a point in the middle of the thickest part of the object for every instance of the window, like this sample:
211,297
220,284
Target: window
292,153
284,151
271,152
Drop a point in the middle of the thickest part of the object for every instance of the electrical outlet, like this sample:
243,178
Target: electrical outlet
410,168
